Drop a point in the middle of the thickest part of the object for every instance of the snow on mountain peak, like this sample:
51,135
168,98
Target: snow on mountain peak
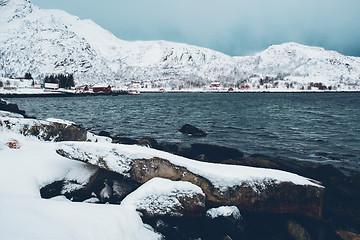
14,3
15,9
45,42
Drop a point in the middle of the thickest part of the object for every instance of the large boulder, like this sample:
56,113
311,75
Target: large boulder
261,195
342,195
50,130
248,188
162,197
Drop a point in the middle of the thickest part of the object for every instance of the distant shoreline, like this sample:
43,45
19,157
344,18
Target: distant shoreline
65,94
57,94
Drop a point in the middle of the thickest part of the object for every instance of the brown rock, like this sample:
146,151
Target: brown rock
56,131
48,131
345,235
296,231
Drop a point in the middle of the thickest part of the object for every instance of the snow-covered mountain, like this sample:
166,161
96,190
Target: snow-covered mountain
45,42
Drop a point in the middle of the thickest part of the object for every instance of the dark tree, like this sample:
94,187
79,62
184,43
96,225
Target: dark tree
64,81
28,76
1,84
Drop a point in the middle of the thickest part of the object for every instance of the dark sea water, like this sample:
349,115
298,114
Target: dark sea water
304,126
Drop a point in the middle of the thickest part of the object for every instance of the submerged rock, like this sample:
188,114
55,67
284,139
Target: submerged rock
215,153
124,140
192,131
104,134
211,153
149,142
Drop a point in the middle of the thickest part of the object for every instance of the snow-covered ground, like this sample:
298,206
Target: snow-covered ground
26,91
25,215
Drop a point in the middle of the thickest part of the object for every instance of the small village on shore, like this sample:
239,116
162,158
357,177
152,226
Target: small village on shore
64,85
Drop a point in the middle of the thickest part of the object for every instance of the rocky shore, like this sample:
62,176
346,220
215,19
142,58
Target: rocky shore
224,194
340,211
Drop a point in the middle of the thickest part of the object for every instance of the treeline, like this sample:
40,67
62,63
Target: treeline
64,81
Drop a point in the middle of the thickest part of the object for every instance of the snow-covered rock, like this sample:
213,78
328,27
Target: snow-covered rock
224,211
163,197
45,130
45,42
252,189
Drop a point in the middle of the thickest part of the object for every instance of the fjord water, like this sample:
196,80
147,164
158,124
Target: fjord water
304,126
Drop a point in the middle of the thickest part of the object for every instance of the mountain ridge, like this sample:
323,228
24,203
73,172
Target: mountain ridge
45,42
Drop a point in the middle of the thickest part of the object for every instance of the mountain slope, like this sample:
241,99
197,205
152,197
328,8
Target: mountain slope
44,42
304,64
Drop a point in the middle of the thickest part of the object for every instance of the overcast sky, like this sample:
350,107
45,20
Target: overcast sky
235,27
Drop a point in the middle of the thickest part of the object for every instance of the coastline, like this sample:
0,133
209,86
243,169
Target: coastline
58,94
20,94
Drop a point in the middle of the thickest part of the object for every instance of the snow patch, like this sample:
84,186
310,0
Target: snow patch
61,121
224,211
90,137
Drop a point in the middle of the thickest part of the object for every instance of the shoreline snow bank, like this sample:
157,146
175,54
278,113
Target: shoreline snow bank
24,215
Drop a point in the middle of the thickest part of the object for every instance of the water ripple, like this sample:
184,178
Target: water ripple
303,126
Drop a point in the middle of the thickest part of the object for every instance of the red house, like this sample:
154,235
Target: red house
215,84
101,88
82,88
